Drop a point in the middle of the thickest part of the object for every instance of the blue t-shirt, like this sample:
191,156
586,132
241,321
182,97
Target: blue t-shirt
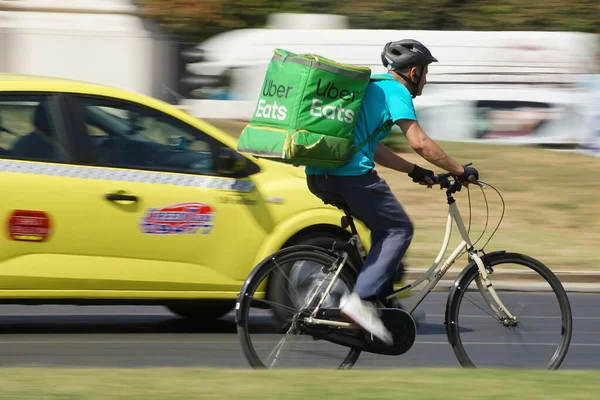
384,100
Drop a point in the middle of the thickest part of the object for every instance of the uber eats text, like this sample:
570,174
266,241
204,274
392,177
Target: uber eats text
325,90
330,91
272,110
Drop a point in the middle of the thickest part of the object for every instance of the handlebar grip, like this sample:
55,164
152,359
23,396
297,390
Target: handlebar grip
449,174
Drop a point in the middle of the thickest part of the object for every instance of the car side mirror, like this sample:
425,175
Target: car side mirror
230,161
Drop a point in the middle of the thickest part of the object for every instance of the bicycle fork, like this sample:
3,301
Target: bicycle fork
484,285
483,281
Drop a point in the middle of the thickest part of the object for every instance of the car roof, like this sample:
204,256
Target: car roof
25,82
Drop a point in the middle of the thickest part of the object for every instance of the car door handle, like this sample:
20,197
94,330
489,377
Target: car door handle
120,197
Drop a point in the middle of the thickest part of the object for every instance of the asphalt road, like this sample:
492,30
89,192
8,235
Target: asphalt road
116,336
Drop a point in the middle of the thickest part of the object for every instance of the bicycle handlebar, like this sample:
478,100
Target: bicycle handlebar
447,175
444,181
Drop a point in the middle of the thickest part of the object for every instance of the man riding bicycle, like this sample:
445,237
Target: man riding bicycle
367,195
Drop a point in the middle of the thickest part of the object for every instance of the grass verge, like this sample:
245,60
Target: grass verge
171,384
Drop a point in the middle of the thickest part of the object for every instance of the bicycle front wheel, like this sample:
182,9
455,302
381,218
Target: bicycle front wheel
538,336
267,320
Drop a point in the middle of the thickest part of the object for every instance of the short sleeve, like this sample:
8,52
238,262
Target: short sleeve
399,103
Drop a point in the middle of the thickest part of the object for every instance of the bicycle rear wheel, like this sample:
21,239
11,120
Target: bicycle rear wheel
267,321
541,335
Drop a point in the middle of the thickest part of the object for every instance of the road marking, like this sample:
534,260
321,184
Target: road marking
54,342
99,314
518,316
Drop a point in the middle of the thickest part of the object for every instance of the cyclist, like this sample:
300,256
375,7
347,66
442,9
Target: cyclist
367,195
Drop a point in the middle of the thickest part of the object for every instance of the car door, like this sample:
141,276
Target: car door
39,232
161,215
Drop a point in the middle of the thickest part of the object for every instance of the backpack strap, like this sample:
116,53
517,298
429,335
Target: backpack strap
386,125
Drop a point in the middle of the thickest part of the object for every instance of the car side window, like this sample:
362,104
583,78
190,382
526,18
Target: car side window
29,128
126,135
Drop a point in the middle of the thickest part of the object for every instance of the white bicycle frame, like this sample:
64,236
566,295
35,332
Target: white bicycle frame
431,275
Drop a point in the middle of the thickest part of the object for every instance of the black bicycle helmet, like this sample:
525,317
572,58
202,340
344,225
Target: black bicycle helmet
403,53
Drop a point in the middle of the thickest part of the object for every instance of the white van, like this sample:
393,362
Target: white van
509,87
465,57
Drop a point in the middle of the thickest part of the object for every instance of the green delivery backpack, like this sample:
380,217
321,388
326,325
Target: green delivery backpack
306,112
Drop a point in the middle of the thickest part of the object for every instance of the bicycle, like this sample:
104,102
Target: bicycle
319,318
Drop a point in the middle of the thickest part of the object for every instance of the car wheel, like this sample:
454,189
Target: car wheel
205,310
278,289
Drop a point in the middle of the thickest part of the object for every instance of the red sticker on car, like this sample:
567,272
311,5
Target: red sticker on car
183,218
29,225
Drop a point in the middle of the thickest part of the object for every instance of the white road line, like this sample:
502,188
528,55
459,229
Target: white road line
519,316
515,344
265,314
96,342
74,314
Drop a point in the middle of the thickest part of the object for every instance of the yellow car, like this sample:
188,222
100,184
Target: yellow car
110,197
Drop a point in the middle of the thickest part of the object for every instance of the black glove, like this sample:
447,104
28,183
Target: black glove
422,175
469,176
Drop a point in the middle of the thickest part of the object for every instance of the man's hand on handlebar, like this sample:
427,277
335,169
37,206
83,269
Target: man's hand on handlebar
423,176
471,175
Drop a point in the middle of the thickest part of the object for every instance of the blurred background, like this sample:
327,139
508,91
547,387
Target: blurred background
509,72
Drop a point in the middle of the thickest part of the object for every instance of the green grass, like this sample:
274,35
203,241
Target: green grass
552,202
172,384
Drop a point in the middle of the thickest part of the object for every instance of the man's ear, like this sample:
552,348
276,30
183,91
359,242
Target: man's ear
414,74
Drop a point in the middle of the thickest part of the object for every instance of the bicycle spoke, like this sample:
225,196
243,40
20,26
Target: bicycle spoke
287,279
281,344
309,298
484,308
537,336
296,282
272,303
278,347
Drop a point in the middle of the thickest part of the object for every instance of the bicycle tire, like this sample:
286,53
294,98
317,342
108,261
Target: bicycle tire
262,271
467,276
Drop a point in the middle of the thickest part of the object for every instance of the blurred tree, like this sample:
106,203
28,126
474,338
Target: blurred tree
559,15
199,19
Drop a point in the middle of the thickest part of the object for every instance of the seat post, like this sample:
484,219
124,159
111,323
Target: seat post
348,221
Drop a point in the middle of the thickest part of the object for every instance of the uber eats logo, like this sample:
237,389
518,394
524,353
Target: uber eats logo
325,91
328,90
272,110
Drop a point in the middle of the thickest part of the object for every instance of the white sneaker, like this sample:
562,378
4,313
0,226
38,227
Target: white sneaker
366,315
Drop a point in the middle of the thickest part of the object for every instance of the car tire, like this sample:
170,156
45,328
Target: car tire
276,290
205,310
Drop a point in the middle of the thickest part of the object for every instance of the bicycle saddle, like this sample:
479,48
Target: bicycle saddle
336,201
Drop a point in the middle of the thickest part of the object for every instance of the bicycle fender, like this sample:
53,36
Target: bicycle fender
458,282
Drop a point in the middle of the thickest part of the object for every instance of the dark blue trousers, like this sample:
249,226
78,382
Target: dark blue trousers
371,201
